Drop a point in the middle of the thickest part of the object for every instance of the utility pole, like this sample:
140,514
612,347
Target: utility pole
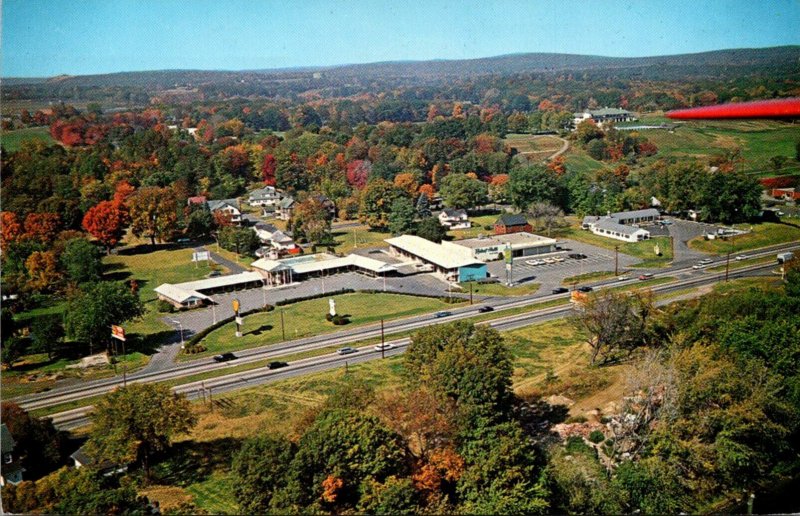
283,327
727,265
616,260
383,342
124,367
470,292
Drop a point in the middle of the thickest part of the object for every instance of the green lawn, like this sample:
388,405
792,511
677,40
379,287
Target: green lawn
307,318
499,289
579,161
588,277
643,250
477,228
349,239
762,235
215,494
11,140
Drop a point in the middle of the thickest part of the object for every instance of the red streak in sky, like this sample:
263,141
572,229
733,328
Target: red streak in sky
780,108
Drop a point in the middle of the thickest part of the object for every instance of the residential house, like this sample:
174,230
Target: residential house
267,196
285,208
511,223
11,469
82,459
788,194
454,219
196,200
272,236
609,227
229,206
603,115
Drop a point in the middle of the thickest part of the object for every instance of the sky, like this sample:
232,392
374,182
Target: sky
43,38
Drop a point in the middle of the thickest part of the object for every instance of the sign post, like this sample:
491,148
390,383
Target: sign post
238,318
509,259
118,332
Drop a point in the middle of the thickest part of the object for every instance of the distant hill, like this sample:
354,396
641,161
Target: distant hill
785,56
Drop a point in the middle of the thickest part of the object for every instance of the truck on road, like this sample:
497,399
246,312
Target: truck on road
785,257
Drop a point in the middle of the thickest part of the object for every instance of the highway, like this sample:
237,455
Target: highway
78,417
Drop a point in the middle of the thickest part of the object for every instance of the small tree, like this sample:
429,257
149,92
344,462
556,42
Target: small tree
401,218
94,309
81,261
546,215
106,222
134,422
431,229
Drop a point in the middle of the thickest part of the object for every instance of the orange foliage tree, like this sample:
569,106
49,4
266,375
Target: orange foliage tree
42,227
106,222
408,182
10,228
42,269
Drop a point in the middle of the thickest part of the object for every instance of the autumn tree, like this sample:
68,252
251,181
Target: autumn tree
358,172
42,227
376,202
498,188
39,445
10,228
268,169
153,213
106,222
310,220
546,216
616,323
408,182
42,269
133,423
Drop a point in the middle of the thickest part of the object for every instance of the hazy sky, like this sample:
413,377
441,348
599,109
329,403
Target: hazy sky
50,37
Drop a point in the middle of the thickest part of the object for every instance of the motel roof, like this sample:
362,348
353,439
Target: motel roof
323,262
221,281
649,212
612,225
177,293
431,251
516,240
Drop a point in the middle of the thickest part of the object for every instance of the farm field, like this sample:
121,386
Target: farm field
11,140
533,148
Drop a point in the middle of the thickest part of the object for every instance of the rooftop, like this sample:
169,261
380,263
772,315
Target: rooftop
511,219
611,225
431,251
514,239
322,262
649,212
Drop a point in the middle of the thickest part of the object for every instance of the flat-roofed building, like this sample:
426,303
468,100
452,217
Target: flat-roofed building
453,263
492,247
192,294
279,272
636,216
610,228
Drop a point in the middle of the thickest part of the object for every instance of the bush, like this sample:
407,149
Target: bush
193,349
488,227
340,320
328,317
165,306
596,437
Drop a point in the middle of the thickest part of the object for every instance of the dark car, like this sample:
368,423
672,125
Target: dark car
585,289
560,290
485,309
438,315
224,357
276,365
577,256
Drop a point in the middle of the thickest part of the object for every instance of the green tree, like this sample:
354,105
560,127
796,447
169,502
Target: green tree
239,240
91,313
81,261
376,202
200,223
261,468
11,349
531,184
431,229
423,206
394,496
461,191
132,423
39,445
46,335
401,218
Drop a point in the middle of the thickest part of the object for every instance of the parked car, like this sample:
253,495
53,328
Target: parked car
439,315
577,256
646,276
346,351
585,289
485,309
276,365
560,290
383,347
214,274
225,357
549,260
666,222
559,258
534,262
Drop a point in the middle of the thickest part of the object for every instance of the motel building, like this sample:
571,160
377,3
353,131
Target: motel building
488,248
289,270
193,294
453,263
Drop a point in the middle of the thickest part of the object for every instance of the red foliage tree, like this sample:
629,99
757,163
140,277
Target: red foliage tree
42,227
268,170
10,228
122,192
647,148
358,172
106,222
558,165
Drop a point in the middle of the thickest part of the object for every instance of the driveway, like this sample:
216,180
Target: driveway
681,232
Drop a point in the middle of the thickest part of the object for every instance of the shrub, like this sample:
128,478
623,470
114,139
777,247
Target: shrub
340,320
191,350
328,317
488,227
165,306
596,437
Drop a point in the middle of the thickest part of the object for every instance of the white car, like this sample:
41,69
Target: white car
705,261
534,262
699,266
384,347
742,257
559,259
549,260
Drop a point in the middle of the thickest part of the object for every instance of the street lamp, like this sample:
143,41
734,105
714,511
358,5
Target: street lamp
181,330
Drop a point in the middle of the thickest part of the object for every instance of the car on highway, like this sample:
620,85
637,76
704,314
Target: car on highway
742,257
666,222
646,276
485,309
577,256
699,266
346,351
705,261
277,365
225,357
383,347
560,290
585,288
622,278
439,315
534,262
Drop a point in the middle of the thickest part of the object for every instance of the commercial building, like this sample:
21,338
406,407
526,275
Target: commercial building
636,216
192,294
289,270
604,115
453,263
490,248
608,227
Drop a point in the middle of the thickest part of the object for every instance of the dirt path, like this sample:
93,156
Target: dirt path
559,152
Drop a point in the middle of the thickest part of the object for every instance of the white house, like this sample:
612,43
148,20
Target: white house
274,237
267,196
454,219
604,115
230,206
285,208
609,227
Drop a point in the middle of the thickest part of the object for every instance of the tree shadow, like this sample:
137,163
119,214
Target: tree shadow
145,249
260,329
148,344
190,462
538,417
116,276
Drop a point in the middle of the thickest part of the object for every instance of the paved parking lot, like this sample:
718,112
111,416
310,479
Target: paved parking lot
551,275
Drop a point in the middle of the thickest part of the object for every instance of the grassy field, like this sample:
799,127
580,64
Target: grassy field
762,235
11,140
588,277
643,250
307,318
361,237
478,223
499,289
533,148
